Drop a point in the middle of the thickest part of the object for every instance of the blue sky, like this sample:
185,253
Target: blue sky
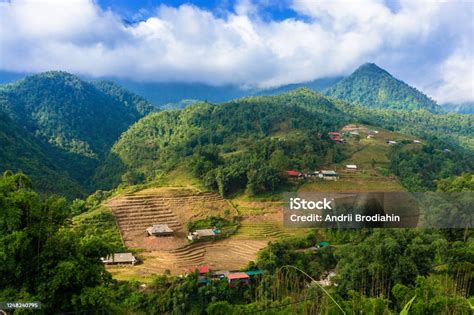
427,43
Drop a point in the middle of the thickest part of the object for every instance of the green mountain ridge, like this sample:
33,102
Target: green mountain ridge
56,128
292,127
373,87
72,114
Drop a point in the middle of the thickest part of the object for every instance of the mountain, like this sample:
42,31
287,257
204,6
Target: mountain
374,87
74,115
462,108
259,132
171,94
56,128
49,169
290,124
315,85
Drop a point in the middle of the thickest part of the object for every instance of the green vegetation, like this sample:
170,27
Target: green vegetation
52,128
99,222
225,145
374,87
40,258
420,168
72,114
55,127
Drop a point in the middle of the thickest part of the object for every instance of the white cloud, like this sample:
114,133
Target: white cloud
191,44
456,78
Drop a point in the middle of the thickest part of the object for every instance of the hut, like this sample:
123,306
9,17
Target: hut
238,278
351,167
120,259
328,175
159,230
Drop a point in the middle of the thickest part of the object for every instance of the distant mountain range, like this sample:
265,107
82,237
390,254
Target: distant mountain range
369,86
61,130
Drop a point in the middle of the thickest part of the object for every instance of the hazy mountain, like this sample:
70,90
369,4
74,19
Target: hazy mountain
462,108
374,87
172,95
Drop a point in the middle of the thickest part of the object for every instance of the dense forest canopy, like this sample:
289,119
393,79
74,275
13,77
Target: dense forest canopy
56,127
72,114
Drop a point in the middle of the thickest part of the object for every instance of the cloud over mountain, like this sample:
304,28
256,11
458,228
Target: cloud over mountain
426,43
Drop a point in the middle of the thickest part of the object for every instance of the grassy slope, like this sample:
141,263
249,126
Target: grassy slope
371,175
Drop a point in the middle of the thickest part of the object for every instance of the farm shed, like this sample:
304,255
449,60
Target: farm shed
159,230
335,136
328,175
238,278
202,234
253,273
202,270
120,259
293,173
351,167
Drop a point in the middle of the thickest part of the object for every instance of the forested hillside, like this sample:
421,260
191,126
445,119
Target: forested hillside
71,114
225,143
50,169
56,127
374,87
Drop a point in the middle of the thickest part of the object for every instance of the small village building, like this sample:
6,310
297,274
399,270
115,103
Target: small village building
417,141
313,174
375,131
238,278
254,273
351,167
391,142
220,274
203,234
354,133
202,270
370,136
159,230
120,259
293,174
328,175
334,136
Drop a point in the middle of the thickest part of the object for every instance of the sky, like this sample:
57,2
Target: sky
427,43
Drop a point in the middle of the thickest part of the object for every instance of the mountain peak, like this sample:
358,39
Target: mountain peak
371,86
370,68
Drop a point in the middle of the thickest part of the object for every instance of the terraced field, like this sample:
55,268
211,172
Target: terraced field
175,207
260,230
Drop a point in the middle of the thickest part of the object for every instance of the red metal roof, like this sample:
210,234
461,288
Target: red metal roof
292,173
237,275
200,269
334,133
203,269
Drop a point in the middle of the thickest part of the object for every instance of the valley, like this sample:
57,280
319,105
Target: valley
260,219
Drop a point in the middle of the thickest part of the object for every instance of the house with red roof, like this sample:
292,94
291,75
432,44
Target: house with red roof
335,136
238,278
202,270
